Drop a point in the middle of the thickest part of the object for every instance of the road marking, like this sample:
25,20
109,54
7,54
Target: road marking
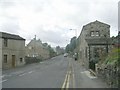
73,77
66,83
2,76
3,81
88,74
30,72
5,76
22,74
26,73
68,80
63,86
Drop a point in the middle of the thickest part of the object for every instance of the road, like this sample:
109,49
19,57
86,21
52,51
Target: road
58,72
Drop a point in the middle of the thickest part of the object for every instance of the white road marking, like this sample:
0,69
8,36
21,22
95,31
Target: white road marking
17,72
31,72
2,76
5,76
3,81
22,74
26,73
88,74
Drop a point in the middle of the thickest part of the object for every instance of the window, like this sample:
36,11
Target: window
97,33
5,58
21,60
92,33
5,42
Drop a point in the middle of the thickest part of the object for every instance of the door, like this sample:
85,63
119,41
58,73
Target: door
13,61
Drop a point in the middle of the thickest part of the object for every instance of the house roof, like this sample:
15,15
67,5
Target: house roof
97,22
94,22
10,36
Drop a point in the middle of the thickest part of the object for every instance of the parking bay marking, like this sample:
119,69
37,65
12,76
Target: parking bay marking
26,73
3,81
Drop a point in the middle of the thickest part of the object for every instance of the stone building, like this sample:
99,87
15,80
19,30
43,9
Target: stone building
35,48
12,50
94,40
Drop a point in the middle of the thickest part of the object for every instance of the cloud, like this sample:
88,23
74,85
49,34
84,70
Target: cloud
9,24
51,20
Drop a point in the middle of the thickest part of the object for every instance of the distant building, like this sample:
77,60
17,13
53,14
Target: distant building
35,48
59,50
12,50
93,41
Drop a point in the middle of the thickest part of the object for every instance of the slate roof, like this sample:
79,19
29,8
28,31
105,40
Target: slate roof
10,36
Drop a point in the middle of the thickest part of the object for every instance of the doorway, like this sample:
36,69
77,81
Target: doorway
13,61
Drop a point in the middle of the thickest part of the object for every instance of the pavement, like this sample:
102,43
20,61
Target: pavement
92,72
58,72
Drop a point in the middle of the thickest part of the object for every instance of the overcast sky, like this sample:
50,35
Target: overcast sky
50,20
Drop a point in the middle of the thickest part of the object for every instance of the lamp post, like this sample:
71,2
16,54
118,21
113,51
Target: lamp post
76,53
75,35
75,32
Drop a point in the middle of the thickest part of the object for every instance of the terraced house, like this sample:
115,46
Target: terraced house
94,41
12,48
35,48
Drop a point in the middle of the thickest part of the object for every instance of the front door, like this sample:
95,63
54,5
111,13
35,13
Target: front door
13,61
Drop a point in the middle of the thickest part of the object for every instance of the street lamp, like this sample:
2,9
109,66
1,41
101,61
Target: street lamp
75,32
75,35
76,53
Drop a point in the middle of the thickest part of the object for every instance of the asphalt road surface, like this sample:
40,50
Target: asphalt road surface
58,72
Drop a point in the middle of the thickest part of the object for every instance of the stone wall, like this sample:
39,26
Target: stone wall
109,74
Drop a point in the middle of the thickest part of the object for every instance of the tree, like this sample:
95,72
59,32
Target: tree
73,43
59,50
70,47
51,51
45,44
67,49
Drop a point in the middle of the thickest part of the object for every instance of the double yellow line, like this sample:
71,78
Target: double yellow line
66,81
68,77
